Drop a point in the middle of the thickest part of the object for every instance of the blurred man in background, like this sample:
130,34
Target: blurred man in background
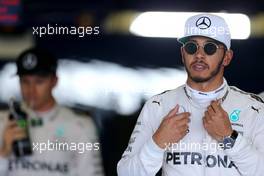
62,142
204,127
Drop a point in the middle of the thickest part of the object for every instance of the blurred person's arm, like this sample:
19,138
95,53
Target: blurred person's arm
248,154
142,156
9,132
88,161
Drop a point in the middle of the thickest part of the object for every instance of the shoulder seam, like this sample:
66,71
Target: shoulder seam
252,95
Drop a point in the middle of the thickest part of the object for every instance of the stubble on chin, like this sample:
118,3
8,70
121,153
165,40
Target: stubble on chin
199,79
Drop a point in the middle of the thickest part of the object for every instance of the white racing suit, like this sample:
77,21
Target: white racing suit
143,157
261,95
79,157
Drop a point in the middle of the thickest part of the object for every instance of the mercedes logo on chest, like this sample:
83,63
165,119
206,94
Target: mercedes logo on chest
203,23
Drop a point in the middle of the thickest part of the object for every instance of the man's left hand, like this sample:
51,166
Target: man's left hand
216,121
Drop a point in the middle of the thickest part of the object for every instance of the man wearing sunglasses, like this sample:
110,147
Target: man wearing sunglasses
204,127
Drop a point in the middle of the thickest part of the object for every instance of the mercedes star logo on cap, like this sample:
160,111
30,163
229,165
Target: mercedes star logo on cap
203,23
29,61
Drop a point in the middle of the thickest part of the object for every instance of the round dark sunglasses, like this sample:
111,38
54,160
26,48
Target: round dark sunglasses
210,48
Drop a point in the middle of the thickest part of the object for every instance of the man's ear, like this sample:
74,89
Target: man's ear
182,52
228,57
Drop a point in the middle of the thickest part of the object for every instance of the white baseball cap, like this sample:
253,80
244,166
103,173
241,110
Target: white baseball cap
207,25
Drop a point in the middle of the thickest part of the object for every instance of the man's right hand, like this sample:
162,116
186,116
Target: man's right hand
172,129
11,133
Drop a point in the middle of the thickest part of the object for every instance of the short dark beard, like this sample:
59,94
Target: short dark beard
212,74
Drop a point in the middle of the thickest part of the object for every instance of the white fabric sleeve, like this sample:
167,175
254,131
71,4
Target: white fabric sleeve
142,157
3,166
3,160
248,155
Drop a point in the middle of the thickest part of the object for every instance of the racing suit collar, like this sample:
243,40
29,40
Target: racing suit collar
203,99
50,114
44,116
